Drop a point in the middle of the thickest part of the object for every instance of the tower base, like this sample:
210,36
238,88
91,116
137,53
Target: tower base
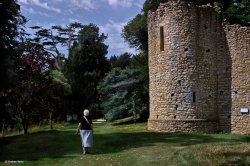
195,125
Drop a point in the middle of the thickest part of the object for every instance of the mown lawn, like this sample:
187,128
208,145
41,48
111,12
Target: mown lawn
128,144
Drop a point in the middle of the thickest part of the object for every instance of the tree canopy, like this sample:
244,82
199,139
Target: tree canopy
119,94
135,32
11,31
11,22
122,61
86,66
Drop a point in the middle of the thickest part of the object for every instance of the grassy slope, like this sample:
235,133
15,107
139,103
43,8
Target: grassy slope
126,145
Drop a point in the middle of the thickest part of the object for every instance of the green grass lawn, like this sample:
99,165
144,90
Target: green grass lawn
127,144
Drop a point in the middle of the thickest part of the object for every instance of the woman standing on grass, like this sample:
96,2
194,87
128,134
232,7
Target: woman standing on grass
85,127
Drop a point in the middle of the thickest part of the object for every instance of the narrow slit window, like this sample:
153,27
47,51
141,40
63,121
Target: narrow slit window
179,82
194,97
161,38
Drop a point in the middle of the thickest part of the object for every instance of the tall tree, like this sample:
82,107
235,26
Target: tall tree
136,33
53,95
48,40
51,38
33,68
68,35
140,63
86,65
11,26
120,95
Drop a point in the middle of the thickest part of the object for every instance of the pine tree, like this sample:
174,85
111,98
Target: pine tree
86,66
120,95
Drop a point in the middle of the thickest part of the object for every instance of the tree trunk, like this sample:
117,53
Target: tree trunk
50,118
25,130
25,127
40,123
25,122
3,129
2,107
134,110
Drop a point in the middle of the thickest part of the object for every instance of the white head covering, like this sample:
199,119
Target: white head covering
86,112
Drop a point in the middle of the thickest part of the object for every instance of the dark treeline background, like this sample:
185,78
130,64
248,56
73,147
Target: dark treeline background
40,85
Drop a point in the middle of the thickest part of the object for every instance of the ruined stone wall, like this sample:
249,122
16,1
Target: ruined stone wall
238,39
224,71
198,70
183,75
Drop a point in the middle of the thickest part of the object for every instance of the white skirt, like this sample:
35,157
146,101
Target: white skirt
87,138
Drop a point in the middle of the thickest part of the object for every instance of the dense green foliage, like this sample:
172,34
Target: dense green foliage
119,94
136,33
38,90
41,93
11,22
31,72
86,66
124,90
140,62
57,91
238,12
31,91
49,39
121,61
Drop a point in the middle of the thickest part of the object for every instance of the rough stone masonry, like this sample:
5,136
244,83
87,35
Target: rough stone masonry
199,70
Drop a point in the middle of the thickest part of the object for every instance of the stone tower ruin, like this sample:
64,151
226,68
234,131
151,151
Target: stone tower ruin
199,70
